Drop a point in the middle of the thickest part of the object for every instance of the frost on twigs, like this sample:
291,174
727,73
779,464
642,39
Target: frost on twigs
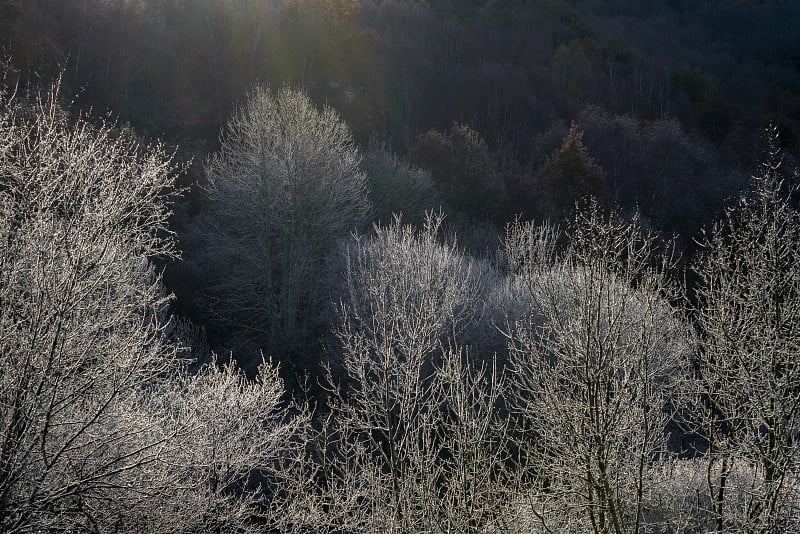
100,427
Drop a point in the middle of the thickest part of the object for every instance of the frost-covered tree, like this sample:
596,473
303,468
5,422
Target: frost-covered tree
416,419
81,313
593,362
284,186
101,428
748,316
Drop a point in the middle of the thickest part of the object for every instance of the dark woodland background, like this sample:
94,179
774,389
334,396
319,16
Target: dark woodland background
515,107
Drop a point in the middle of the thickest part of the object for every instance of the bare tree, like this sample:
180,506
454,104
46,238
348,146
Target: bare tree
101,428
415,417
749,320
81,312
284,186
593,362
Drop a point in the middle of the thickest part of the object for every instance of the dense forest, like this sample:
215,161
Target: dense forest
400,266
